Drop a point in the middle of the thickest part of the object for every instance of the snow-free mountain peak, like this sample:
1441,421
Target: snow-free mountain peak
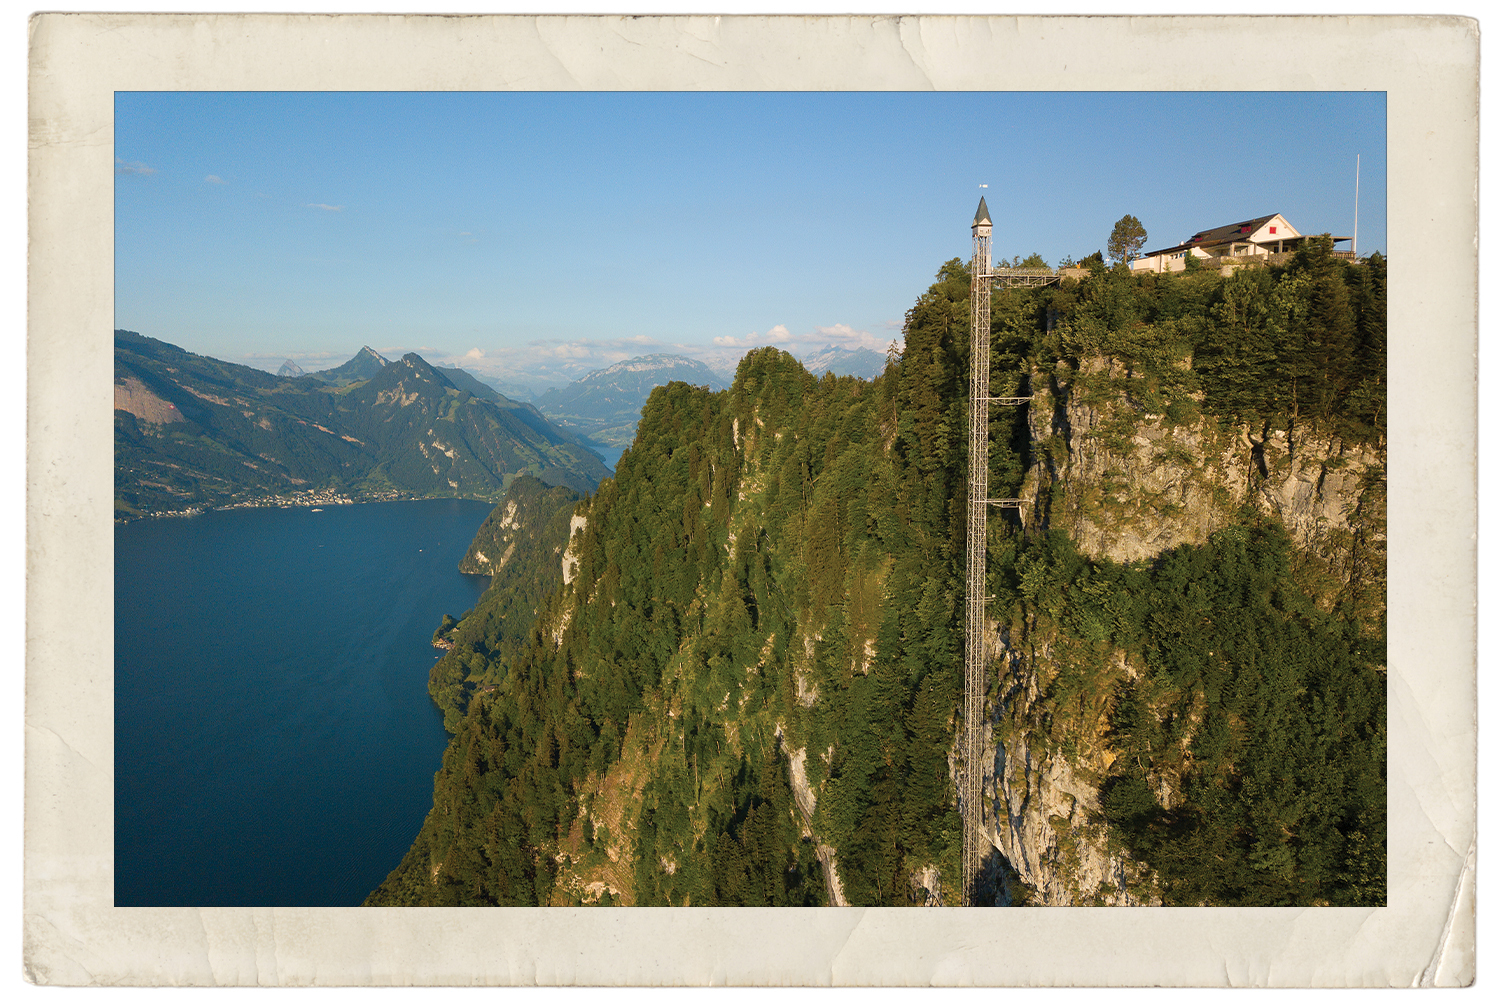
358,368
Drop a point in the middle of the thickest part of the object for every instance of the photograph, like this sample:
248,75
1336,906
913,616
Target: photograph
727,519
775,501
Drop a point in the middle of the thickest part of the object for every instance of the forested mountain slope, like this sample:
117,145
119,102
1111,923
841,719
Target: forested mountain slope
520,546
746,689
195,431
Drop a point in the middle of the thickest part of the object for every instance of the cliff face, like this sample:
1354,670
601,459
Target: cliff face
731,694
1127,485
1042,808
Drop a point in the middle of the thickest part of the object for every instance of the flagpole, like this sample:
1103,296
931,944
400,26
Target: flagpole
1356,206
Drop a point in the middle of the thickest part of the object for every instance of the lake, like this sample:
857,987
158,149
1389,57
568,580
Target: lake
609,456
274,740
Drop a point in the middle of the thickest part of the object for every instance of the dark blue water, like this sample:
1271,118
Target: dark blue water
274,741
609,456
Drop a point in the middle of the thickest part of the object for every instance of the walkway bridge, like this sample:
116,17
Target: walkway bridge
1023,277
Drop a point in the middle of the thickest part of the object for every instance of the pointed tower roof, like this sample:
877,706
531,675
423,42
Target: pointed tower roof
981,217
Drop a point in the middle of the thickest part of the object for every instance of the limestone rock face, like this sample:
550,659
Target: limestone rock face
1134,484
1042,809
1128,485
140,402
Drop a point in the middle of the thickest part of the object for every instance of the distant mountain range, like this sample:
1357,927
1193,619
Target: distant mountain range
606,404
521,388
603,405
859,362
194,431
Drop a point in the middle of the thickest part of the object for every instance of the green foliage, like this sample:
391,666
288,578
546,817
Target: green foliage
1265,347
743,552
522,540
1264,715
1126,239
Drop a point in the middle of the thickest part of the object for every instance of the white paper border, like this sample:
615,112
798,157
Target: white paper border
1428,67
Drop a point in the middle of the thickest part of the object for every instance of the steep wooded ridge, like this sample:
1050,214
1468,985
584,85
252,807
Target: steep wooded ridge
520,547
745,689
193,431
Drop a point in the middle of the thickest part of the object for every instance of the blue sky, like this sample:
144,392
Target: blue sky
560,232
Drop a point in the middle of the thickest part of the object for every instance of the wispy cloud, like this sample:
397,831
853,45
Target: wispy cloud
327,208
473,354
214,179
778,334
838,335
843,335
121,167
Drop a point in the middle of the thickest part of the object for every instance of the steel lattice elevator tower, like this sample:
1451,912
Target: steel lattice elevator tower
975,843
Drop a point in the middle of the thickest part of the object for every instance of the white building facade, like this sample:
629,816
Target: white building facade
1261,237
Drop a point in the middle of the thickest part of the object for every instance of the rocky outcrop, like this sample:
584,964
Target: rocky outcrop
807,804
1128,484
569,564
140,402
1041,806
517,525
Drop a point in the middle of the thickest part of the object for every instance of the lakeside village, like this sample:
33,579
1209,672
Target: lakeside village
326,497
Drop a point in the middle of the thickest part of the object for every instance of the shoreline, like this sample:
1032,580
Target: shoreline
311,498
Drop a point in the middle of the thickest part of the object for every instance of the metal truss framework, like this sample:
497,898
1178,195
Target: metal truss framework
976,845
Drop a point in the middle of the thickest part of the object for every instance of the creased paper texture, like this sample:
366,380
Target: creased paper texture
1427,67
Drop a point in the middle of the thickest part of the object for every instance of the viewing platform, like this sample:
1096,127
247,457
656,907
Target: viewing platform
1034,277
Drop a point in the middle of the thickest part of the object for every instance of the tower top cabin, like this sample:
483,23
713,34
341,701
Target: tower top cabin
981,227
981,219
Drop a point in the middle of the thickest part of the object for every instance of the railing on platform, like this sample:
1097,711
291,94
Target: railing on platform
1024,277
